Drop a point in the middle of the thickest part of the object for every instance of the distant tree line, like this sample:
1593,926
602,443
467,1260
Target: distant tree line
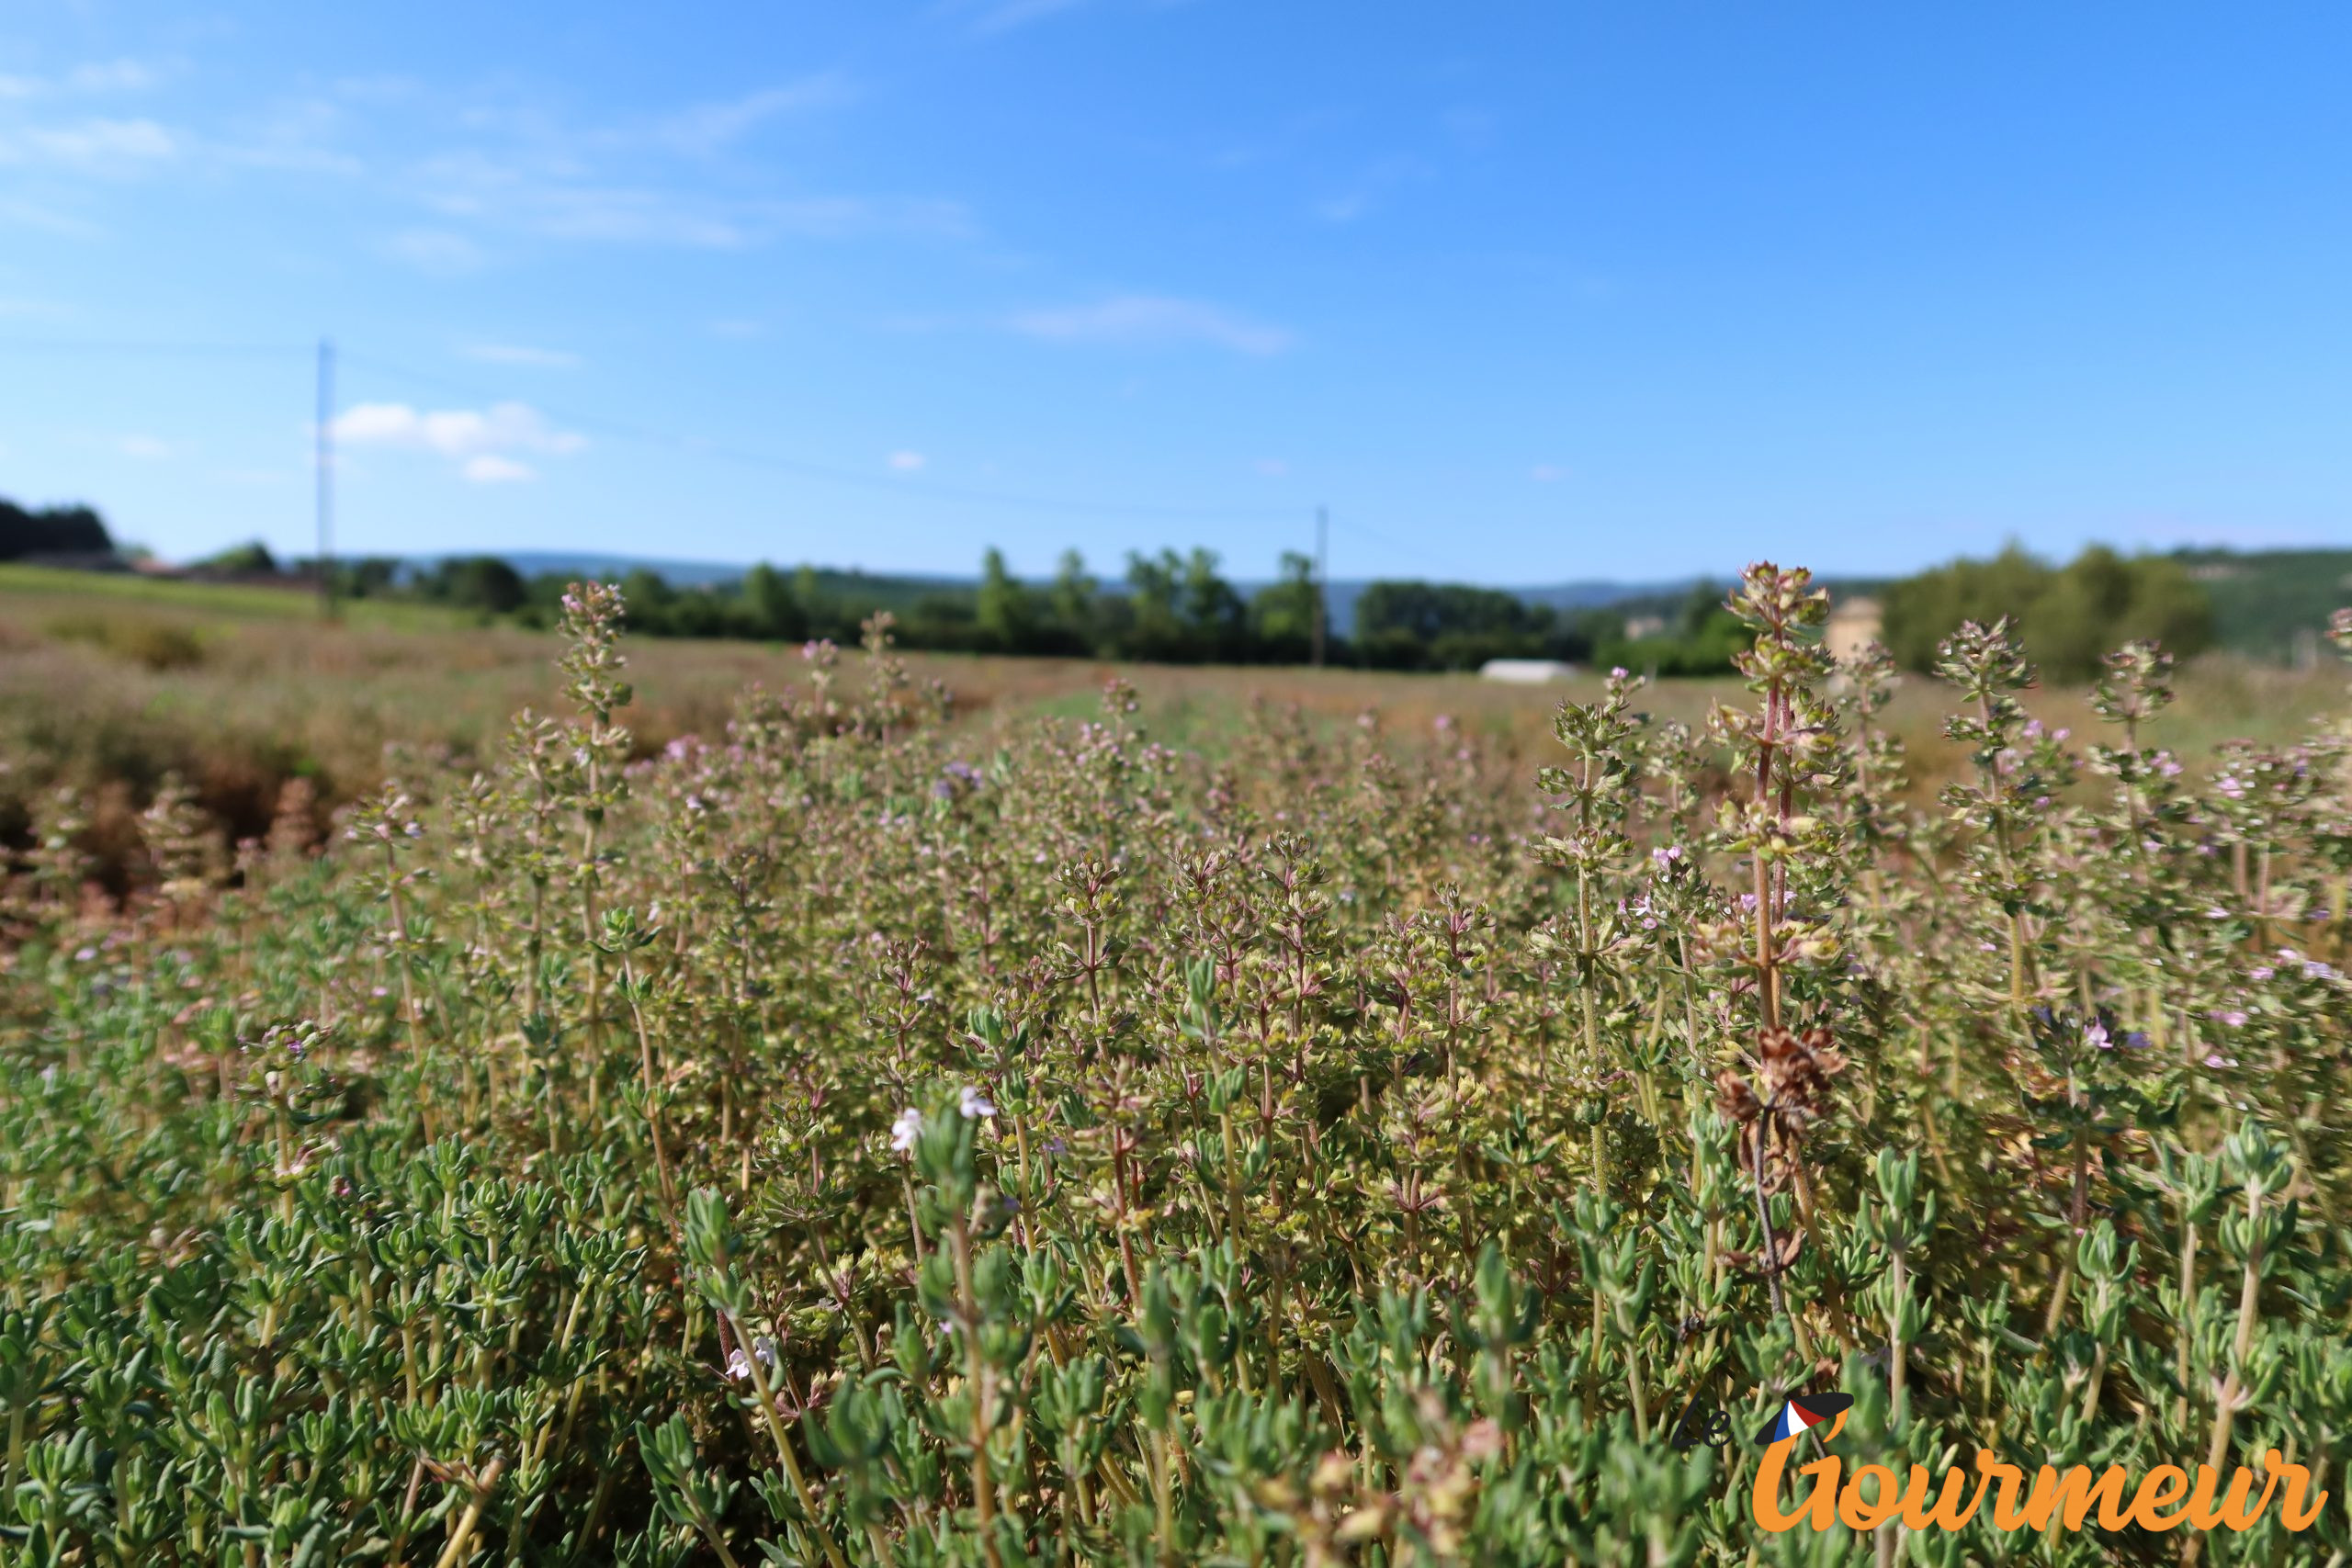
1693,636
1167,608
1180,608
2067,617
51,531
1446,626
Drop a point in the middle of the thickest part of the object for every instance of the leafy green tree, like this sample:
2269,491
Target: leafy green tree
647,597
1411,624
1071,598
251,559
1155,587
1213,609
478,583
1702,607
2067,618
369,577
50,530
771,606
1282,615
1006,612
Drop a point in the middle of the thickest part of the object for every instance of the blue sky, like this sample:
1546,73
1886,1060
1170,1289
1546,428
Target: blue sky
1524,292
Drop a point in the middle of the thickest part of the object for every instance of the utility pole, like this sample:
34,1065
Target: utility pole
1322,579
326,479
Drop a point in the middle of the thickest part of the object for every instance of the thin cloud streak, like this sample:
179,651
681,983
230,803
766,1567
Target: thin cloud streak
437,251
1143,319
985,17
98,76
706,128
522,354
492,469
95,146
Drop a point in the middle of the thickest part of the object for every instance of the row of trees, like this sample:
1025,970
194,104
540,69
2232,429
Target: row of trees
1173,608
1167,608
1447,626
2066,617
1180,608
36,531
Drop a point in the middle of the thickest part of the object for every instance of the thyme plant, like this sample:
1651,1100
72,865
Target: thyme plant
851,1139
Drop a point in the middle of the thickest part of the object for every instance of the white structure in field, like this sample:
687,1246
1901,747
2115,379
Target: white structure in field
1853,625
1526,671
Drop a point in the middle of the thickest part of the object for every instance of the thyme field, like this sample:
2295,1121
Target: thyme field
848,1134
113,684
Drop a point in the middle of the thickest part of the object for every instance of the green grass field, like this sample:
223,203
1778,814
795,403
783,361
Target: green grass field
206,601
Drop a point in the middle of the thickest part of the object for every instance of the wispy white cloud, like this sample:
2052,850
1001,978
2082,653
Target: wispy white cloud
1020,13
1369,188
435,251
557,196
1273,468
51,130
526,129
47,219
112,76
533,194
1548,473
514,170
303,133
850,217
1004,16
524,170
522,354
1470,125
383,87
454,433
92,146
1152,319
147,448
737,328
490,468
91,78
705,128
908,462
486,445
81,142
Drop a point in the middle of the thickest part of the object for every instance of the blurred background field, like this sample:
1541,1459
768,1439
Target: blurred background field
109,683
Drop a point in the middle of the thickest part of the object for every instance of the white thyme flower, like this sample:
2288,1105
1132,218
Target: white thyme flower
739,1366
975,1103
906,1130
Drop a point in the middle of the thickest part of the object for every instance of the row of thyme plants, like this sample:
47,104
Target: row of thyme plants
839,1142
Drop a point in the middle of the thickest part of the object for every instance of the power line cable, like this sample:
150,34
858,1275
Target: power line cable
1341,520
